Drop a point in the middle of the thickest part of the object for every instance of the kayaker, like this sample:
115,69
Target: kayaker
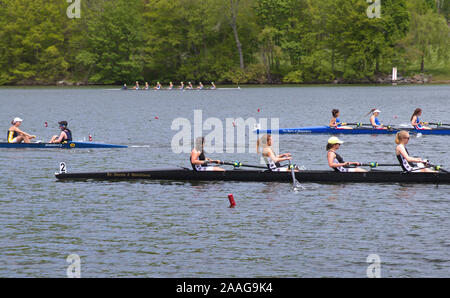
199,161
336,122
15,135
415,120
64,137
270,157
408,163
335,161
374,121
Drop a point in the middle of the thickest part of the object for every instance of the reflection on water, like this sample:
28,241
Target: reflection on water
186,229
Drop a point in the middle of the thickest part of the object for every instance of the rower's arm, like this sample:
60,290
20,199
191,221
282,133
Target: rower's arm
331,162
333,123
24,133
408,158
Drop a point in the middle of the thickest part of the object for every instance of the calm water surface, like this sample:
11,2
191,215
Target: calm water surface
177,229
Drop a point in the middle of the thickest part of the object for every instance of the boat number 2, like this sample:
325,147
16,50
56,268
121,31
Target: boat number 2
62,168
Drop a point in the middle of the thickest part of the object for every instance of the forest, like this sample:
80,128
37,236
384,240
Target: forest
44,42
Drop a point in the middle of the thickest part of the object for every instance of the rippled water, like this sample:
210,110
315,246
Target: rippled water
176,229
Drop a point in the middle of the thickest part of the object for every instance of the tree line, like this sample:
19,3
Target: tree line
228,41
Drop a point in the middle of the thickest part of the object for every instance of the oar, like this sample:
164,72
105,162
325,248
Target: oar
238,164
375,164
293,174
438,168
437,124
389,127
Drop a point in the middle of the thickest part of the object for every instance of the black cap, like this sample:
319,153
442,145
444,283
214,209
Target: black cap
63,123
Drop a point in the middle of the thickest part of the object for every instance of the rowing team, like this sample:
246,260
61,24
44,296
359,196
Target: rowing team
273,161
375,122
16,135
170,87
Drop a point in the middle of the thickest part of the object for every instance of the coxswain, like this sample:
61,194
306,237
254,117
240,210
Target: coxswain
213,86
199,161
15,135
335,122
200,86
408,163
271,159
415,120
374,121
64,137
335,161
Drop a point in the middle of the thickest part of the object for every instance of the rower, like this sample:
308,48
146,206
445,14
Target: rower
181,86
199,161
158,86
15,135
335,161
200,86
189,87
124,87
336,122
374,121
408,163
415,120
170,86
136,87
64,137
272,160
213,86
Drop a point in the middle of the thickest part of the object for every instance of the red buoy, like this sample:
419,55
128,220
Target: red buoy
232,201
46,124
90,138
259,110
156,117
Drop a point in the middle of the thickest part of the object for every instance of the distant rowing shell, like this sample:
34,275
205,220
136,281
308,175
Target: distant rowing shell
217,89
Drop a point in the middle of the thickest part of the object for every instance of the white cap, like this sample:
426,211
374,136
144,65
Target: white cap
376,111
17,119
334,140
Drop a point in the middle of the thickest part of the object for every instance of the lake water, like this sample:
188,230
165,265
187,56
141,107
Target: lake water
178,229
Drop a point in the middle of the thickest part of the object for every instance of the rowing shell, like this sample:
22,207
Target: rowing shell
176,89
70,145
355,131
184,174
